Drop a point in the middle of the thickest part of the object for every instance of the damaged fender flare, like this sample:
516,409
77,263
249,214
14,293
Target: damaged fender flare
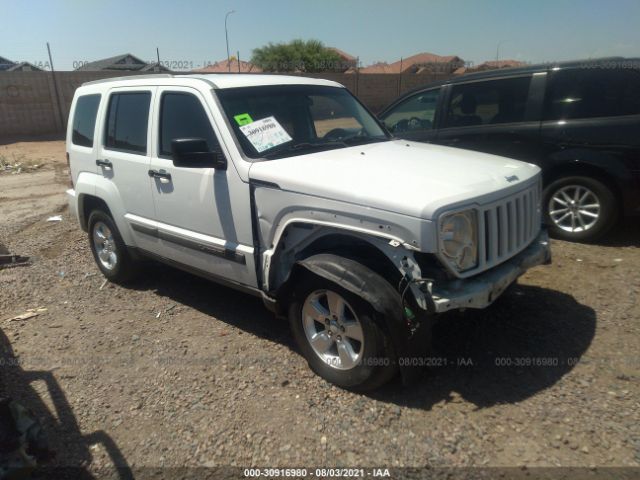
360,280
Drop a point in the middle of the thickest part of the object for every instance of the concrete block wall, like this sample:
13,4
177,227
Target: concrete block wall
37,103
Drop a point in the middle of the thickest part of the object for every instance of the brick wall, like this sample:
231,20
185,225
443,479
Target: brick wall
32,103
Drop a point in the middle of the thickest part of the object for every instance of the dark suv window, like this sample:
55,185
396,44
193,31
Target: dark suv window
415,113
84,120
127,121
487,103
587,93
183,116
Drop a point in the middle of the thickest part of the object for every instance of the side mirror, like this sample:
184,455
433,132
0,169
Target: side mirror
195,153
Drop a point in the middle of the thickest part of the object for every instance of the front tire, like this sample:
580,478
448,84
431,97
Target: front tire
339,336
109,250
579,209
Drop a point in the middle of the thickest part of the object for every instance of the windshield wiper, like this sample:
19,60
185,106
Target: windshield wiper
305,146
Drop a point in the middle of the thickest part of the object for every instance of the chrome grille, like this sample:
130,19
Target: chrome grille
507,226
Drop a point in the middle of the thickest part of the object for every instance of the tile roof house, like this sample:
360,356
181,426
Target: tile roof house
349,62
493,64
122,63
233,66
7,65
419,63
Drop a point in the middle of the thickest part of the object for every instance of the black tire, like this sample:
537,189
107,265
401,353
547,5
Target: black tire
125,267
607,214
377,363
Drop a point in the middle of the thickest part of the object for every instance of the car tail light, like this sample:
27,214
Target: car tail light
70,174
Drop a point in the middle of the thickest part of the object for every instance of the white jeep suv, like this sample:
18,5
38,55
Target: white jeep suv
289,189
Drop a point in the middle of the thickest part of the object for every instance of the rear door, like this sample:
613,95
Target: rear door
415,117
498,116
592,116
124,154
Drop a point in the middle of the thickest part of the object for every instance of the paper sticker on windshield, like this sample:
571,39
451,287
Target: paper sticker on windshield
265,134
243,119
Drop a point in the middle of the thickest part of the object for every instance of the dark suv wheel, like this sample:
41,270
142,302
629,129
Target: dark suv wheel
108,248
579,209
338,333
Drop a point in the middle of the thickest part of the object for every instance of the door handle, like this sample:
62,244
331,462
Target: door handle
106,164
160,174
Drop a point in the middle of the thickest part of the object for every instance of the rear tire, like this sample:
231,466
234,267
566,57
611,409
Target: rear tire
355,333
109,250
579,209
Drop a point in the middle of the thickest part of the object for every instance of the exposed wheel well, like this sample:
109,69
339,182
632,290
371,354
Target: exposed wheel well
343,245
354,249
89,203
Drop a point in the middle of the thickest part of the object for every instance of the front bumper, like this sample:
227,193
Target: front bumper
482,290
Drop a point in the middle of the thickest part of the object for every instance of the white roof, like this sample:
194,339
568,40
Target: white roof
219,80
231,80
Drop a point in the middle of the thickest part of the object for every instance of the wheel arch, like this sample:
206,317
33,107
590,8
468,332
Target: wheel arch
96,192
342,243
87,204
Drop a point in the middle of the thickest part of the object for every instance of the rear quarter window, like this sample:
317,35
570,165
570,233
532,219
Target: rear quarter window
589,93
84,120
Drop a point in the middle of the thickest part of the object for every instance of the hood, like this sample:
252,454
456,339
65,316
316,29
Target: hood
405,177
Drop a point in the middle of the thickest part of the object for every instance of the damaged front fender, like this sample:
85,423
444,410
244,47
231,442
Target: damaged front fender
408,341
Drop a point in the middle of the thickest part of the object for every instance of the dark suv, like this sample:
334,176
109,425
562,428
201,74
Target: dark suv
579,121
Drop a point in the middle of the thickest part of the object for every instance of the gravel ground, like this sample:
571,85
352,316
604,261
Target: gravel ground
176,371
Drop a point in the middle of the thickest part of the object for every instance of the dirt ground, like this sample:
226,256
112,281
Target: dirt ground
176,371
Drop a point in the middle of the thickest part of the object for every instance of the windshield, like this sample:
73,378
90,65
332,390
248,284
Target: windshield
286,120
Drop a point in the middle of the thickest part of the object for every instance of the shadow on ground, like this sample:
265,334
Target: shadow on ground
625,234
524,343
233,307
69,446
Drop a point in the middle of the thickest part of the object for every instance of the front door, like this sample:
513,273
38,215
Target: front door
414,118
202,213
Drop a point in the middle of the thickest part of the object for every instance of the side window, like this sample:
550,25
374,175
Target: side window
415,113
183,116
588,93
488,103
127,121
84,120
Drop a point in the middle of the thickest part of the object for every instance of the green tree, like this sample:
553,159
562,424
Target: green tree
297,56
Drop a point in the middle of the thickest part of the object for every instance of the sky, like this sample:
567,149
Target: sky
190,33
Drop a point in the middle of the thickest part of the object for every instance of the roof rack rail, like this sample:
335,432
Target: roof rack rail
127,77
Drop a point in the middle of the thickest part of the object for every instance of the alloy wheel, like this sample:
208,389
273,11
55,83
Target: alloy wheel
105,245
333,329
574,208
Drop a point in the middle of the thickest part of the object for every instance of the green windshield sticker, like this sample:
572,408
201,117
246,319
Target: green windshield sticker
243,119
